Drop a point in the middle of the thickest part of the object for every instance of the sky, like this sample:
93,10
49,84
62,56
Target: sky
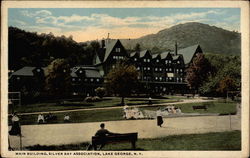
95,23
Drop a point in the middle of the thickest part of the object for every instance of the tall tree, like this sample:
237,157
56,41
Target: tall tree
58,80
122,80
198,71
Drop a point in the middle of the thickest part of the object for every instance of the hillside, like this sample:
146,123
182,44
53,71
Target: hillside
212,39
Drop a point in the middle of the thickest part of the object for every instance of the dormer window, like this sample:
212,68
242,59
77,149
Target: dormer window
148,60
118,49
166,61
166,69
157,60
178,62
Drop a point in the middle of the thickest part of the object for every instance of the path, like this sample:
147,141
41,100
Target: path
119,107
55,134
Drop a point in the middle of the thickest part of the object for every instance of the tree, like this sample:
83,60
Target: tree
227,84
137,47
58,79
122,80
198,72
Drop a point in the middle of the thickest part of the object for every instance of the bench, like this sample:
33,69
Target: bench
126,137
200,107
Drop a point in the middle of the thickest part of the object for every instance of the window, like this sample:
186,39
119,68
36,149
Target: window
166,69
180,70
156,78
97,80
135,59
113,66
85,79
148,68
145,60
38,70
160,69
138,77
144,68
157,60
181,79
18,78
138,68
160,78
118,49
91,80
79,79
156,69
178,62
80,71
144,77
170,61
148,60
73,79
177,70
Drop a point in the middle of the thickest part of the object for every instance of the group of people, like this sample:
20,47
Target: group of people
132,113
46,118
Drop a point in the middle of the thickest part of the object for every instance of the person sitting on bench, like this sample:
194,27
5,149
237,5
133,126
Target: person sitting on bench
103,133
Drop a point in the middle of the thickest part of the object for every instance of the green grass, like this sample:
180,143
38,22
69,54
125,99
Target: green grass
208,141
116,114
106,102
79,116
212,107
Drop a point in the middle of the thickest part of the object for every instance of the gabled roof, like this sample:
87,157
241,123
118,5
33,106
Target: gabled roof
175,57
154,56
132,54
142,53
188,53
25,71
97,60
164,55
109,48
90,72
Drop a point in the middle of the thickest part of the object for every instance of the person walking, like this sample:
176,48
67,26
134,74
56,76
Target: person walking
159,117
15,129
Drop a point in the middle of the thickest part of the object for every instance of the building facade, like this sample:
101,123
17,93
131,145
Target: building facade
159,73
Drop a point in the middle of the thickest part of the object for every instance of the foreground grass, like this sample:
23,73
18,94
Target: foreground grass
208,141
106,102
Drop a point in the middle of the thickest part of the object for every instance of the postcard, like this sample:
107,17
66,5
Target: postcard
125,79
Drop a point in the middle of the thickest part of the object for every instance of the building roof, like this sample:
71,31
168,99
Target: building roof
109,48
154,56
25,71
142,53
188,53
132,54
164,55
175,57
90,72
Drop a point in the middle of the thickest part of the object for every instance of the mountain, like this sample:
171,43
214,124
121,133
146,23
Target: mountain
211,38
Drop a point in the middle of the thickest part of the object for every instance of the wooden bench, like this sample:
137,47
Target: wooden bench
200,107
116,138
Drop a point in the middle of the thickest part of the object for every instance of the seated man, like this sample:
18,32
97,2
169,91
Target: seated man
102,133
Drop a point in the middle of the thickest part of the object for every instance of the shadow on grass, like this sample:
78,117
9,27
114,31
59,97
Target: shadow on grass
73,104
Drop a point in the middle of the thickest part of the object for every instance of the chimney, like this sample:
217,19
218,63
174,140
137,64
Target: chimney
175,51
103,43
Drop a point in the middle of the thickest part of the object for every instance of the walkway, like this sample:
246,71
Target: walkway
55,134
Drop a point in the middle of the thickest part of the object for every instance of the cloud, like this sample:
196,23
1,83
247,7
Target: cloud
41,13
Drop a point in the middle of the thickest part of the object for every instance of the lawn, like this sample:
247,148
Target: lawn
219,107
106,102
209,141
116,114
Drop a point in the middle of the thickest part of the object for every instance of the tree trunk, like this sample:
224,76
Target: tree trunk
122,102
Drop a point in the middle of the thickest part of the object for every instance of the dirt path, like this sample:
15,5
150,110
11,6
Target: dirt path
119,107
55,134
